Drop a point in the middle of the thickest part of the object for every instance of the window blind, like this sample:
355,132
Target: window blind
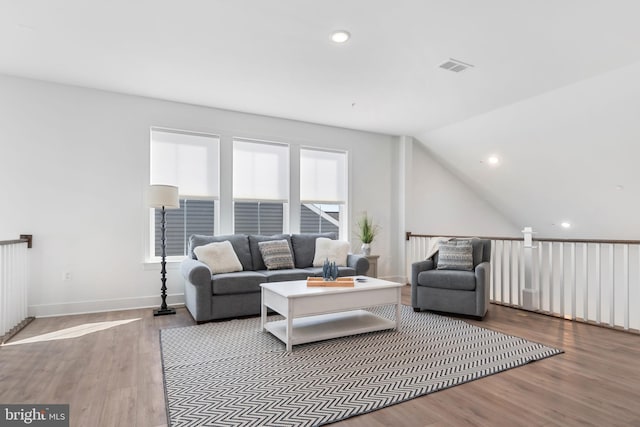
260,171
323,176
189,161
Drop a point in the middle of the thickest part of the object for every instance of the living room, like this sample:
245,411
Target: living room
78,104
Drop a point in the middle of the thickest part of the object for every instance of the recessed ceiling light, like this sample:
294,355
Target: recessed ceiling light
493,160
619,187
340,36
565,224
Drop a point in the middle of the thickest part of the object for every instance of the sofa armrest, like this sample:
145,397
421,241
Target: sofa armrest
196,272
482,272
417,268
358,262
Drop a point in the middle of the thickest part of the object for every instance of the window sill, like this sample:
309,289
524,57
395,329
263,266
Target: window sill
173,263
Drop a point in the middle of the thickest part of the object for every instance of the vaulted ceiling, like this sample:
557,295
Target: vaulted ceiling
275,57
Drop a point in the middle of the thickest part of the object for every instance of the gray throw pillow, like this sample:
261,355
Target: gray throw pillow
276,254
455,255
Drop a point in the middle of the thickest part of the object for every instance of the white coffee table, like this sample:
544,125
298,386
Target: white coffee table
321,313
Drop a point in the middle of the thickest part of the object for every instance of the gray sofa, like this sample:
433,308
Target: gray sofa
453,291
219,296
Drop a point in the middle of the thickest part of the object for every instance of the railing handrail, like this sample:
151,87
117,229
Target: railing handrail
539,239
24,238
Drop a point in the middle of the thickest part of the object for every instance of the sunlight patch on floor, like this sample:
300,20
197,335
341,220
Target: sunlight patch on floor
73,332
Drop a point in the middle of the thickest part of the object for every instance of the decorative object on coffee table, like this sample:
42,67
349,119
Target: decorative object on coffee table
366,231
329,271
165,197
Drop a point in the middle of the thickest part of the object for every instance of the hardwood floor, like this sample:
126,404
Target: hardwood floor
114,377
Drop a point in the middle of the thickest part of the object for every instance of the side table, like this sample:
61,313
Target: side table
373,265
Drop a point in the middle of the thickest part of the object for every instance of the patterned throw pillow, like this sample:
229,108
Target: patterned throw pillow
455,255
276,254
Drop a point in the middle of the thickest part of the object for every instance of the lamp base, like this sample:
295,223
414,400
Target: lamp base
163,311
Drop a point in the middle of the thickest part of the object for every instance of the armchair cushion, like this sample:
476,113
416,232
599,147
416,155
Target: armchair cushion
448,279
456,255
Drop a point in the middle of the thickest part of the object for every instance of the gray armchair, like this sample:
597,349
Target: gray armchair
453,291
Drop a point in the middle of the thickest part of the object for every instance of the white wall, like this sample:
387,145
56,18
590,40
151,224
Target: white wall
564,153
441,204
74,168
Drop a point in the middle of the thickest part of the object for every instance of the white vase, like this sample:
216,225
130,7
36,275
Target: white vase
366,249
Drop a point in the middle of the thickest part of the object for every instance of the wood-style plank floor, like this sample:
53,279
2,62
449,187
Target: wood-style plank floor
114,377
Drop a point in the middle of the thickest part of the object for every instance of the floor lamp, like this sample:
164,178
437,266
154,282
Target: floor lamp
165,197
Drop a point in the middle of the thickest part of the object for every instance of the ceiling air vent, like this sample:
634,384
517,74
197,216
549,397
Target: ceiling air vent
455,65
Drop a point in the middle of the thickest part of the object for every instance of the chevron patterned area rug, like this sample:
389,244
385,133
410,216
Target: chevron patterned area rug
231,374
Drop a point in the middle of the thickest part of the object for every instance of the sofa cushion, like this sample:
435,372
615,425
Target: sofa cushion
284,275
331,250
256,256
241,282
455,255
276,254
342,271
448,279
304,247
240,243
219,257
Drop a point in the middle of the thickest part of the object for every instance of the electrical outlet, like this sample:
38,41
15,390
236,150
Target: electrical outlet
66,275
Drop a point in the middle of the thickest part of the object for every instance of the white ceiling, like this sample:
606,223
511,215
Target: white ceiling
274,57
555,87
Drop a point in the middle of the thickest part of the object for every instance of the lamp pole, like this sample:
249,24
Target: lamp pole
163,272
163,197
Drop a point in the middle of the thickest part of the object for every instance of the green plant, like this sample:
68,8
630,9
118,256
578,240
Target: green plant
366,229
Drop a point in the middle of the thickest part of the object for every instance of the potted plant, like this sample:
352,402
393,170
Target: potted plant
366,231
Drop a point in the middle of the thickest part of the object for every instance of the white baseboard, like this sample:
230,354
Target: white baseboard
97,306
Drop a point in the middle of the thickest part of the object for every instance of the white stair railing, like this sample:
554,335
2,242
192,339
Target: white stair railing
593,281
14,280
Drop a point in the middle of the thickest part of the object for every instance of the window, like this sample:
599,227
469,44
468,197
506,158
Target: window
191,162
318,218
193,217
260,186
323,191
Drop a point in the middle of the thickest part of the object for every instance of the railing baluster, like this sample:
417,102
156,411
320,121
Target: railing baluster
493,270
625,270
612,295
561,260
585,315
540,287
598,282
501,271
510,264
521,271
550,277
573,281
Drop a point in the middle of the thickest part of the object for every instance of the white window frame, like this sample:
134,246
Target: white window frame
343,204
284,201
150,256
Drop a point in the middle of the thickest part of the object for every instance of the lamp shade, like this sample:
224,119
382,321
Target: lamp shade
163,195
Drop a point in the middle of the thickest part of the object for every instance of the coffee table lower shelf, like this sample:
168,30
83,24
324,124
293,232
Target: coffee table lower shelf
328,326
